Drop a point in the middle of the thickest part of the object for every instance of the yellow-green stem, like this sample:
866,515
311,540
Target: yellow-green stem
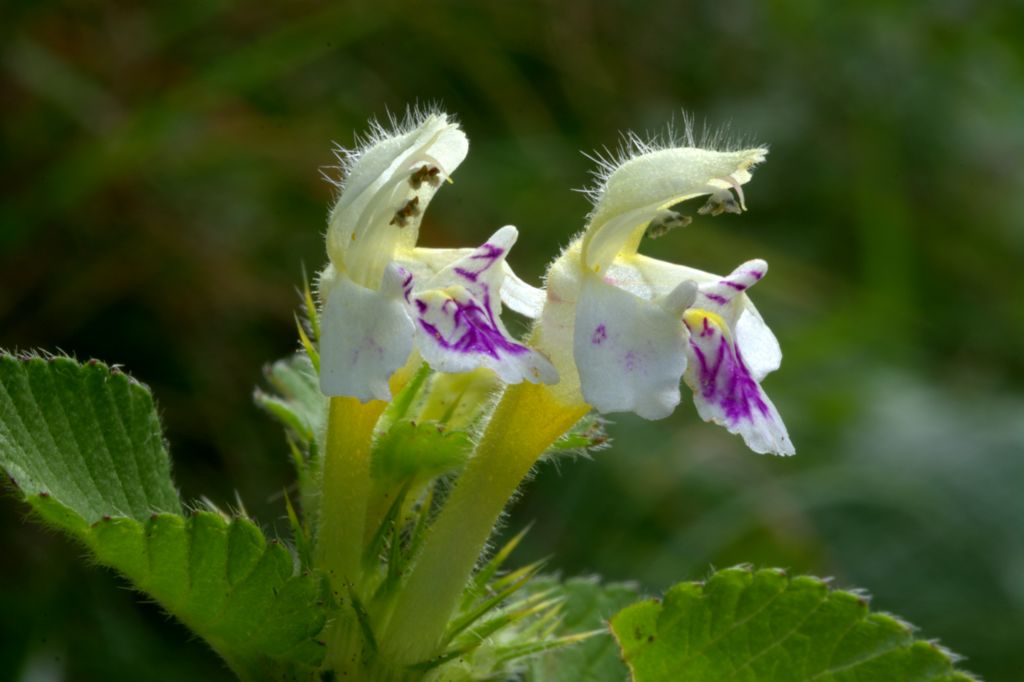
527,420
345,489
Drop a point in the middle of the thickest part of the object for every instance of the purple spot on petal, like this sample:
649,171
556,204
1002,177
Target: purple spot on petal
756,274
600,334
738,286
421,306
717,298
631,361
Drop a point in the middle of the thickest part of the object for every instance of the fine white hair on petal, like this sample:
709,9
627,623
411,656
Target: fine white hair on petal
640,189
649,174
388,188
394,125
633,144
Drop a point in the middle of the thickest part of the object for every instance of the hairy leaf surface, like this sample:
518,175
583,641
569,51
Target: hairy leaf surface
82,444
743,625
86,434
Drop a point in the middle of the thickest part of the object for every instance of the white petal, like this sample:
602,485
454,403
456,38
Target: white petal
727,297
722,291
659,277
630,353
521,297
458,318
650,277
424,263
725,391
389,187
640,188
553,333
760,348
365,335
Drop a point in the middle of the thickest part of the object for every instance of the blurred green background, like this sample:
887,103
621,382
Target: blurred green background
161,190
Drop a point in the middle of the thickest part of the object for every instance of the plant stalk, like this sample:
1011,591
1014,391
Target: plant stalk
527,420
345,489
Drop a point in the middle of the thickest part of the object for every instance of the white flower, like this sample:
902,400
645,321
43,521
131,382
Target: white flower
623,329
383,296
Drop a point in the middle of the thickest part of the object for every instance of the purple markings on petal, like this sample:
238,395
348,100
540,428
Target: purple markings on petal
489,253
407,286
474,328
726,381
600,334
725,290
466,274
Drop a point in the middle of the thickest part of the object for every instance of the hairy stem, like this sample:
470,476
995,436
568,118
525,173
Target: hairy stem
527,420
345,489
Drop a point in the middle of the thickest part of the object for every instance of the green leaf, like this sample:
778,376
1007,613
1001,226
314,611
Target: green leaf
587,606
83,445
418,451
764,625
223,580
87,435
298,404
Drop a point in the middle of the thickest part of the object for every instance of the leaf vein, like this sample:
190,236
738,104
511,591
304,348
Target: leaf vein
72,476
737,624
135,495
877,653
782,639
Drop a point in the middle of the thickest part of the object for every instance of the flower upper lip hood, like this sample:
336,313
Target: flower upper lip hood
383,297
624,329
642,187
388,184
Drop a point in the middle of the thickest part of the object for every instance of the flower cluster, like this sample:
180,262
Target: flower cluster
384,297
614,329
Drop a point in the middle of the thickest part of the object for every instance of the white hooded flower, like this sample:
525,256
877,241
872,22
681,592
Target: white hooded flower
383,296
623,329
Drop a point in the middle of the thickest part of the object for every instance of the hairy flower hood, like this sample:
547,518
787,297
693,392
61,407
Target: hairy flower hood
623,329
384,297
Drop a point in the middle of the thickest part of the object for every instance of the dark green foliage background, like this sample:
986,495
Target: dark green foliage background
161,188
